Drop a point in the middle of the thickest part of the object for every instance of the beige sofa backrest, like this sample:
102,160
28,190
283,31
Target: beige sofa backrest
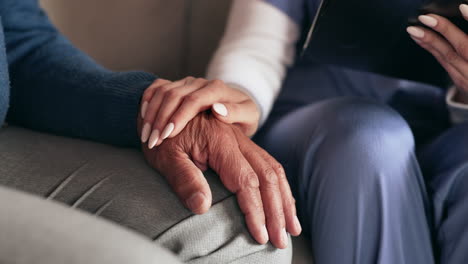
172,38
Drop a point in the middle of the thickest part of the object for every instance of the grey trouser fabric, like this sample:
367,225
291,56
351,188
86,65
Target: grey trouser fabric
116,184
379,174
56,234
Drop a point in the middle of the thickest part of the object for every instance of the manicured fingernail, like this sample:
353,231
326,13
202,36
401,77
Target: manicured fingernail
167,131
144,107
145,133
153,139
428,21
196,201
284,237
416,40
297,224
264,234
464,10
415,32
220,109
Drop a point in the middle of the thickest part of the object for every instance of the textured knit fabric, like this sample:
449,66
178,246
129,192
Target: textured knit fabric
258,46
58,89
115,184
56,235
458,111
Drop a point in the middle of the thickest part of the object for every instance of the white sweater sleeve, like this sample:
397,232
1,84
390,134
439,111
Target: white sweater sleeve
257,48
458,111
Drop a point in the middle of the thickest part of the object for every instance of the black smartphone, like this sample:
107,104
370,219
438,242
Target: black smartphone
446,8
370,35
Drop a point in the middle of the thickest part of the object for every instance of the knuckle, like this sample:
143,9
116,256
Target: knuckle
192,99
279,170
163,88
451,56
429,38
200,80
292,201
442,26
250,180
270,178
282,177
189,80
214,89
463,48
217,83
159,82
147,95
174,93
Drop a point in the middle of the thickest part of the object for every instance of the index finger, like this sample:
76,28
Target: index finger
454,35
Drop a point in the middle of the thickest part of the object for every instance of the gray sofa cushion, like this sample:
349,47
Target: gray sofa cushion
118,185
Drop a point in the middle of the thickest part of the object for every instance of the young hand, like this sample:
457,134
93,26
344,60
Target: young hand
168,106
449,47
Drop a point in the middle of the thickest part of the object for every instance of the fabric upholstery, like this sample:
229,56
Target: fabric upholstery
116,184
171,38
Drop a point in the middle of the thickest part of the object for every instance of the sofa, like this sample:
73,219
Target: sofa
172,39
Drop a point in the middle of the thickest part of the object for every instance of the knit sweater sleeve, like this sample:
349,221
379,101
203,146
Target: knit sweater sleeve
258,46
58,89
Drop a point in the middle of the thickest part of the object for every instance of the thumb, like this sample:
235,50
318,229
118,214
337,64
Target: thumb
189,183
245,114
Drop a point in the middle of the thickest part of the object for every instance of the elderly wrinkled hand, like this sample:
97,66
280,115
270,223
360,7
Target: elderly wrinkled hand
448,44
257,179
167,107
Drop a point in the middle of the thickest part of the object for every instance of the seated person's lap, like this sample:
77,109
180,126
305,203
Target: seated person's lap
338,138
117,184
35,230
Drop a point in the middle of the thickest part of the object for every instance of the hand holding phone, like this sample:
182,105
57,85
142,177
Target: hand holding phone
447,42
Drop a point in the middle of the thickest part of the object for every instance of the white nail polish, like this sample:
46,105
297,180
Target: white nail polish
145,133
167,131
153,139
428,21
264,234
416,40
464,10
144,107
220,109
415,32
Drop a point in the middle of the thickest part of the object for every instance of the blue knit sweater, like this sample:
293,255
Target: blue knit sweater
54,87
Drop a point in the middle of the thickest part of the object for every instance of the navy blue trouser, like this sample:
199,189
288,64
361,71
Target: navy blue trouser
378,172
